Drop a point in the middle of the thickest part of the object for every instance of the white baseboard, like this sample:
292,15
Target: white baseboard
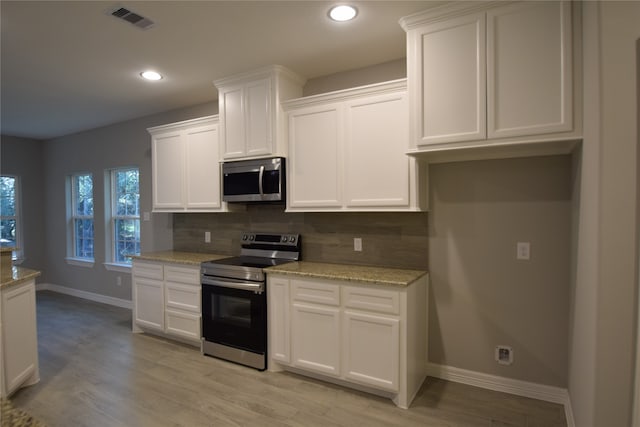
104,299
506,385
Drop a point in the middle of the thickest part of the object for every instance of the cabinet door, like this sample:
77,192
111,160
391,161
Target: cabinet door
20,344
278,306
232,122
315,338
447,75
376,165
203,168
149,302
315,142
371,349
168,171
259,117
529,69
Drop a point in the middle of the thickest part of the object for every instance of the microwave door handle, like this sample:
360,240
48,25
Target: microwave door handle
260,180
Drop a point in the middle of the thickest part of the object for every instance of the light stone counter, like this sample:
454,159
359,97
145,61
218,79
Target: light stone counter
188,258
350,273
18,275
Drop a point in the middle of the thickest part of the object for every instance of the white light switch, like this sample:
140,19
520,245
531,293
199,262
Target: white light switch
357,244
146,216
523,251
207,237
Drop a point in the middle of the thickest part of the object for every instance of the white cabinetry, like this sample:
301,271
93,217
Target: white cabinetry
186,169
347,151
370,336
19,337
251,120
166,300
491,75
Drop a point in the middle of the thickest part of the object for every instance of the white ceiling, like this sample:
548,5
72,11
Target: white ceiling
69,66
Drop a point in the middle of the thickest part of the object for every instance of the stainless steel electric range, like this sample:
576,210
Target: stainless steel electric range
234,298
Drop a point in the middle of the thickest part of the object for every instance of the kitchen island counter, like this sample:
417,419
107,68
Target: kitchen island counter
351,273
18,275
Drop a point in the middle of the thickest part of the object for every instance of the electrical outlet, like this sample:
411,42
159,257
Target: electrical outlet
119,280
504,355
523,251
207,237
357,244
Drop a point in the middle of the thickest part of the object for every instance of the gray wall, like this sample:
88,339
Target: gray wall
118,145
605,288
24,158
481,295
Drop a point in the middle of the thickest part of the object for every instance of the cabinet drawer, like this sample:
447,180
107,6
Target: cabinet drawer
377,300
190,275
321,293
183,297
185,325
148,270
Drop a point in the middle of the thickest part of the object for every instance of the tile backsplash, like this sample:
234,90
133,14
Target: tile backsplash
390,239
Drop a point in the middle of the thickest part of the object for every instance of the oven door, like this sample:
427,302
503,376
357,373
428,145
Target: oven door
234,314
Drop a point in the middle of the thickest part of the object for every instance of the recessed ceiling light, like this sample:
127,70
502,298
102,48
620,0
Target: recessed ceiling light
342,13
151,75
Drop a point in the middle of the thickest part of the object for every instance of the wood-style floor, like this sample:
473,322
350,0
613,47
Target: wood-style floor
95,372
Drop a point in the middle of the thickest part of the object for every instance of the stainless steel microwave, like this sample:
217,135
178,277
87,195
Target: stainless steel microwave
257,180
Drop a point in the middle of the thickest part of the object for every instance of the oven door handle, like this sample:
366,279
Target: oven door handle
245,286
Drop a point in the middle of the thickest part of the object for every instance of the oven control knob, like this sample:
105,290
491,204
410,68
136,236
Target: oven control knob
292,239
284,239
251,237
244,237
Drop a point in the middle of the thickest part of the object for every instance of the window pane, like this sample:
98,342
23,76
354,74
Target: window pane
8,232
84,238
84,195
127,239
7,196
127,192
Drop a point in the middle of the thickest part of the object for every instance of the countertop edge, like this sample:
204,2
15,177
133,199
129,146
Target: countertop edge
178,257
19,276
356,273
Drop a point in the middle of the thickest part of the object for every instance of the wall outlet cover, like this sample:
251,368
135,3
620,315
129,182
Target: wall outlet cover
504,355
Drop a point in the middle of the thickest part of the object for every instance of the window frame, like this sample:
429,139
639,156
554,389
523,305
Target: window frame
18,256
111,216
72,257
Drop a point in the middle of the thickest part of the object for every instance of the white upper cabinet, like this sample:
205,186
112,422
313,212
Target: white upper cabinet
347,151
529,88
186,166
450,81
491,75
252,124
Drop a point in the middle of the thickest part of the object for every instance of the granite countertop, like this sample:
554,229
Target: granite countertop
18,275
350,273
188,258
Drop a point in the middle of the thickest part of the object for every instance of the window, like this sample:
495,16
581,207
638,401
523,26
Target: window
10,232
82,216
125,215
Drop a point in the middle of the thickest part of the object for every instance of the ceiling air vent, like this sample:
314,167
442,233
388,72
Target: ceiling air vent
132,18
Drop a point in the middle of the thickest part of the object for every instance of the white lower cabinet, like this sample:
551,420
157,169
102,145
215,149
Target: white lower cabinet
19,347
371,337
166,300
371,349
315,343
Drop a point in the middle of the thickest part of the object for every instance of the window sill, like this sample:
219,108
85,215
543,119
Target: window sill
80,262
122,268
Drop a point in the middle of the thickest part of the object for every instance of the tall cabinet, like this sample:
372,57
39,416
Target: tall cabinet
492,74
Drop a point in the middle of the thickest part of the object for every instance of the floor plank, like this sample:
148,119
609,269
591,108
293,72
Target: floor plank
95,372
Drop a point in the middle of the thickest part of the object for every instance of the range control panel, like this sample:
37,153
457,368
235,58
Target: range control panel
270,239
